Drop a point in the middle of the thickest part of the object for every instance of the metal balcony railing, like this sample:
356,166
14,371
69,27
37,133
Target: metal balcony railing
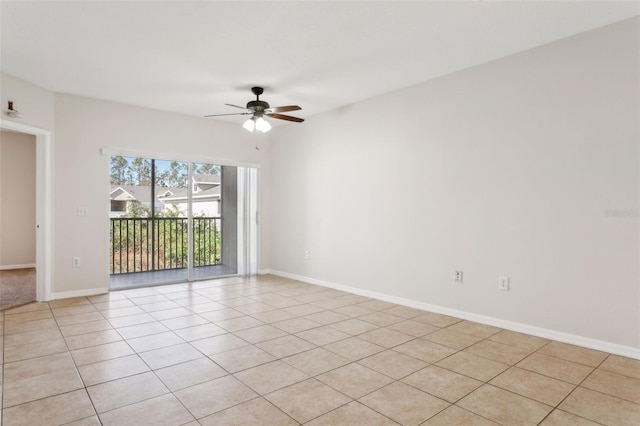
157,244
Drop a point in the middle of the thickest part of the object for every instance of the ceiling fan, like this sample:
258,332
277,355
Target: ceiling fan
259,109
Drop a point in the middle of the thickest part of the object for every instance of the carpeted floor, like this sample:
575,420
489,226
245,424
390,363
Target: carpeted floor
17,287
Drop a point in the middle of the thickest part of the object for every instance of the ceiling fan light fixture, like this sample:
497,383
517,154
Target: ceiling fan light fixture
250,124
262,125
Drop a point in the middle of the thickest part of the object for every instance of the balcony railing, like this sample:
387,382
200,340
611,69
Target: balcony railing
157,244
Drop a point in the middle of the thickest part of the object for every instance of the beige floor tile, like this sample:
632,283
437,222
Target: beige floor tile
355,380
473,366
622,365
92,339
121,312
270,317
404,404
562,418
613,384
59,409
79,318
165,307
199,332
601,408
377,305
28,308
331,303
322,335
351,414
504,407
555,367
307,400
456,416
381,319
184,322
31,337
326,317
142,330
270,377
442,383
118,393
354,348
260,333
112,369
101,353
217,344
498,352
519,340
438,320
87,421
258,411
73,310
296,325
71,301
130,320
413,328
573,353
34,350
215,395
475,329
154,341
303,309
159,411
386,337
22,327
405,312
393,364
106,297
353,310
285,346
37,366
239,323
316,361
425,350
242,358
40,386
452,339
533,386
86,327
164,357
190,373
113,304
353,326
254,308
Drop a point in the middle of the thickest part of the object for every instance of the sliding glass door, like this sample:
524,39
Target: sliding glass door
173,221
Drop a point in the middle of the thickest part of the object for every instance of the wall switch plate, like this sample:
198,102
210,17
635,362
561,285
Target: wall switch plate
458,276
75,262
307,255
503,283
83,211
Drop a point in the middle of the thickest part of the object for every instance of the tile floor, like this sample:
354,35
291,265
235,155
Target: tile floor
271,351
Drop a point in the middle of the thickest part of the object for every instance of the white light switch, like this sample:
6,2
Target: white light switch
83,211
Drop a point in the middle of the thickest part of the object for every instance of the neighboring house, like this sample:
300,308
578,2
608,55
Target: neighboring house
206,197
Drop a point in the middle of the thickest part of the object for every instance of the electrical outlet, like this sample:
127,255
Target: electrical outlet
307,255
503,283
458,276
82,211
75,262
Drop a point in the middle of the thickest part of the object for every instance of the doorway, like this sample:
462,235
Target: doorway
171,221
42,214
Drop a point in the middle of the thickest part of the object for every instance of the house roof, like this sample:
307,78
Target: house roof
206,178
143,194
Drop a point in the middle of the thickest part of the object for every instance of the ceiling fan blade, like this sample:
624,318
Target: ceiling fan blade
235,113
235,106
285,108
286,117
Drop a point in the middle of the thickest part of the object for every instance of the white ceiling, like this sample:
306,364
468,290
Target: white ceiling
193,57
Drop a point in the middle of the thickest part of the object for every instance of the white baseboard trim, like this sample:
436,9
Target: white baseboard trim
23,266
79,293
587,342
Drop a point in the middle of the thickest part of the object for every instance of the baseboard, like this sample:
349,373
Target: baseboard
79,293
23,266
587,342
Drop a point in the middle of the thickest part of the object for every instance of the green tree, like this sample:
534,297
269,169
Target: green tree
140,169
119,166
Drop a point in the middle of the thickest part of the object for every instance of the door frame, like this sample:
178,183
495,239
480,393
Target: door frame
44,205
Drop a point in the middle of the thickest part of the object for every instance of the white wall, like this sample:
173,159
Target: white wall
36,103
507,168
17,199
84,127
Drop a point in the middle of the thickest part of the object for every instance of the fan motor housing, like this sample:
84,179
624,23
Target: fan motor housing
257,105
